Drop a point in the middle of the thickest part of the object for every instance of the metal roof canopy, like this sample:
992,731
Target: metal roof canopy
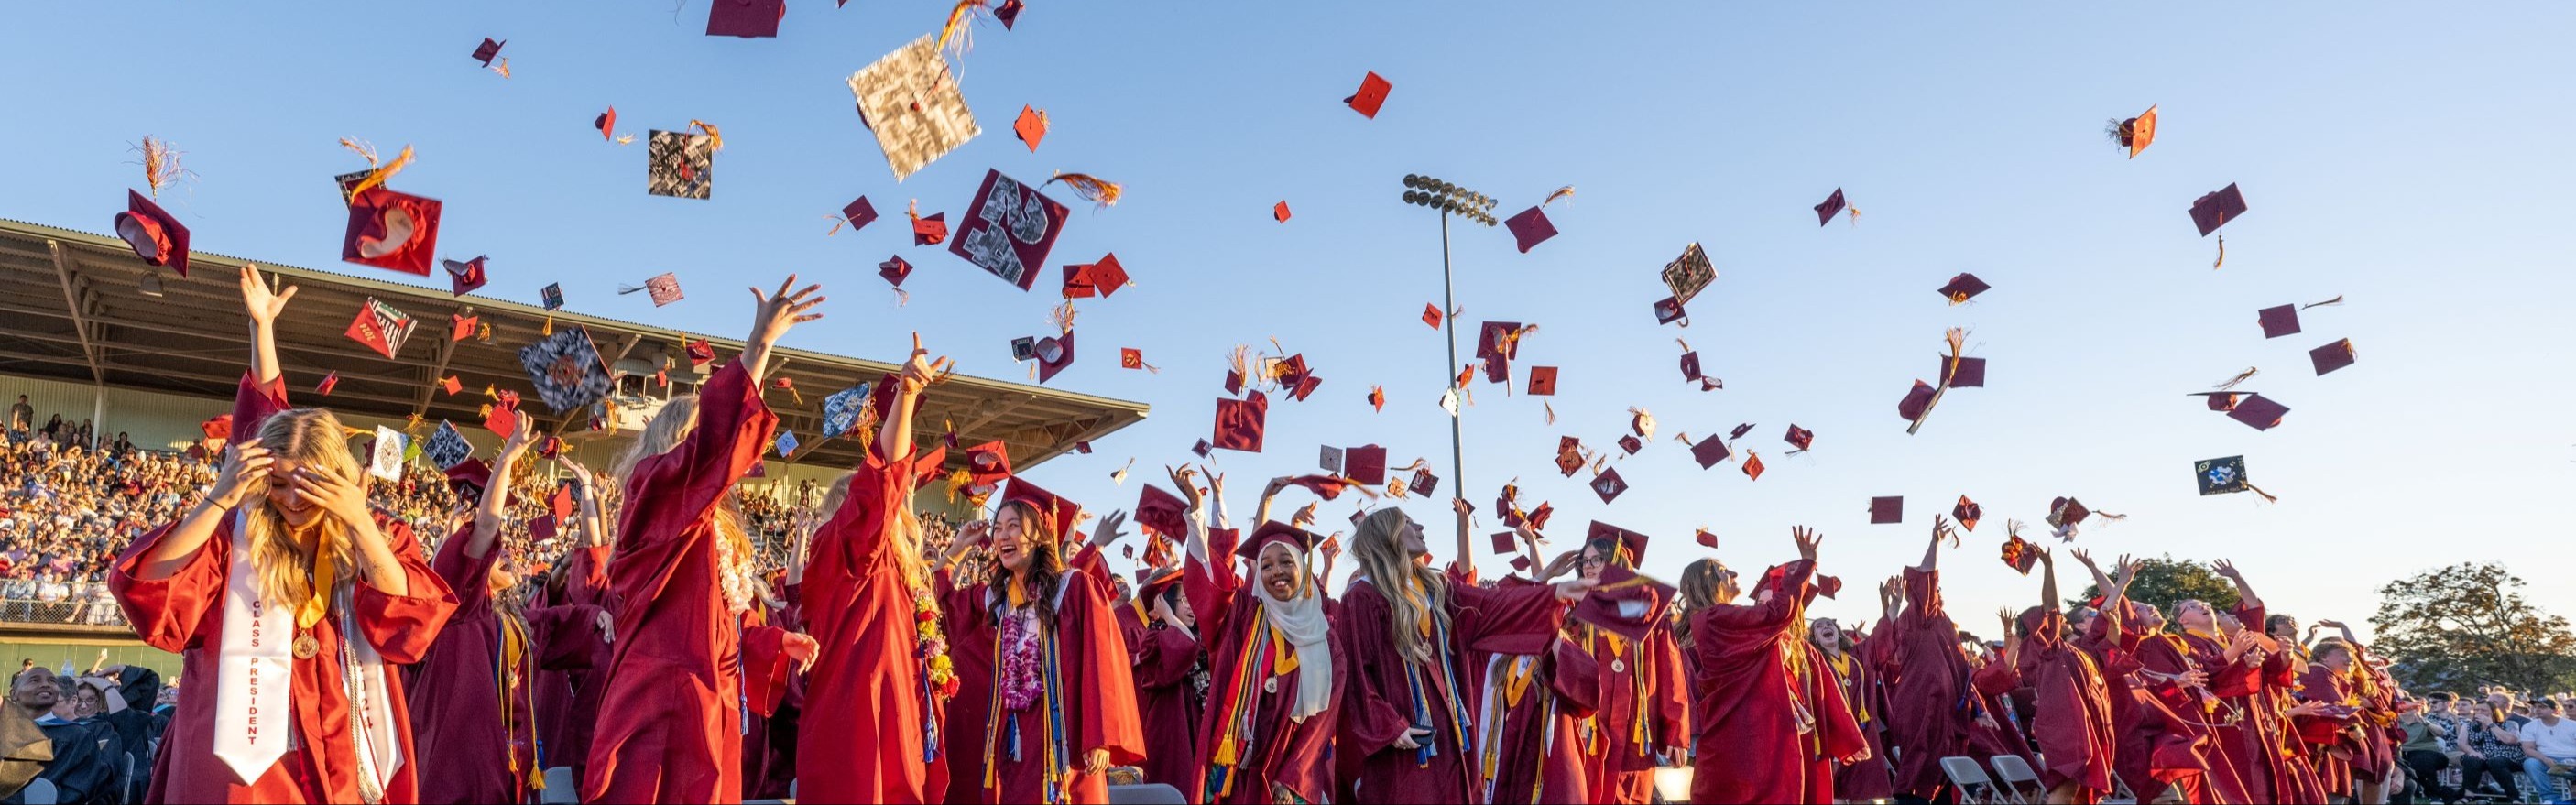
71,308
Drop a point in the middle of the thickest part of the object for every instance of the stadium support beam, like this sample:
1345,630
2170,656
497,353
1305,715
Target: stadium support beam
72,306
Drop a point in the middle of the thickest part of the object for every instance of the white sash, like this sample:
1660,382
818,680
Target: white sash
255,669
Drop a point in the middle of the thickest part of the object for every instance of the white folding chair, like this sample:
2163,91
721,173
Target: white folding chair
2018,779
1971,780
561,788
39,791
1146,794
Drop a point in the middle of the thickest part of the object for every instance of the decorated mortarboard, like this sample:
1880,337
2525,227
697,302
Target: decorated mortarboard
1239,423
1690,366
1752,466
2258,412
155,236
1800,438
750,19
2064,514
2019,554
567,369
1372,95
1688,274
1669,310
1203,448
489,49
1632,544
1053,354
464,277
385,457
1963,287
680,164
461,325
987,466
1133,358
664,289
550,447
1885,510
1967,513
381,327
1031,126
1832,205
701,352
1708,452
1008,230
2332,356
1425,483
1569,455
1630,444
391,230
1063,514
786,443
2214,210
551,296
446,447
1530,228
1609,485
1625,603
911,103
2136,133
841,410
2219,476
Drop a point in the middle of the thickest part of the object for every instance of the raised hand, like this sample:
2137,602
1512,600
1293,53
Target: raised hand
920,370
1182,478
260,298
1574,590
771,319
343,497
1564,562
2084,557
1106,533
1941,529
1807,538
2226,570
244,473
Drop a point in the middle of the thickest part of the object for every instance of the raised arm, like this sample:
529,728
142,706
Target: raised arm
778,312
244,473
1932,551
2048,580
2100,581
264,301
496,494
894,436
2244,592
1261,513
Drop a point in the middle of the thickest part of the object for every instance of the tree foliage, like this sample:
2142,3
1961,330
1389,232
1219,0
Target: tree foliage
2459,627
2163,580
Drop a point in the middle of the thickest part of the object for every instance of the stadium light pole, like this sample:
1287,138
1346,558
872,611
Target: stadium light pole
1450,199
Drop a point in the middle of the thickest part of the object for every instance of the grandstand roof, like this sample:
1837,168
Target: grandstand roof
71,308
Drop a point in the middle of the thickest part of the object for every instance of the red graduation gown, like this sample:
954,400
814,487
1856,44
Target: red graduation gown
1865,694
1097,692
1378,703
473,753
1928,712
1538,755
568,699
1768,719
1994,682
2073,722
1639,690
2298,784
2245,734
1167,703
2212,781
775,695
185,614
670,723
1285,754
2334,742
862,736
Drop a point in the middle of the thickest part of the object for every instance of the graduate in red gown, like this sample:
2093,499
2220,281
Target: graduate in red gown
1276,674
2072,726
2281,670
473,696
671,722
1640,700
1529,729
2247,735
773,703
1852,661
1768,719
1172,679
282,590
1046,697
871,726
1407,732
568,698
1997,679
1929,709
2157,748
2170,676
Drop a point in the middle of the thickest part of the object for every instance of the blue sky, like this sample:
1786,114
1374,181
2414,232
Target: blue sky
2409,158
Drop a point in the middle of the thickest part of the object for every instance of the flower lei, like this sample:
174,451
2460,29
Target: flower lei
931,646
736,579
1020,682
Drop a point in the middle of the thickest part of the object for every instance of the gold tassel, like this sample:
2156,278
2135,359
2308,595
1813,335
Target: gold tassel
1562,192
379,171
2240,377
715,139
2338,300
550,324
1091,188
503,68
955,28
161,164
2222,254
1551,410
1062,317
2267,496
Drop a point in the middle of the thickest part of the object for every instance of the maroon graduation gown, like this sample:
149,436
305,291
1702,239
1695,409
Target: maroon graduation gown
1097,692
859,607
476,722
1285,755
1767,720
568,698
1538,753
2073,721
1865,694
1640,691
1929,713
1379,703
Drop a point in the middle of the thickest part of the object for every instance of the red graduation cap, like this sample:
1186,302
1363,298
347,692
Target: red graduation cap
2332,356
1884,510
1569,455
1530,228
1008,13
987,465
381,327
1830,207
1669,310
1708,452
391,230
328,383
503,421
1152,586
2221,400
220,427
1505,541
2258,412
1625,604
1690,366
469,477
1297,539
1752,466
1279,212
1968,372
1239,423
152,233
1054,354
1740,430
1202,448
606,123
1605,535
1372,94
1431,315
465,277
461,326
1062,513
1365,464
2019,554
1542,381
1964,287
701,352
1031,127
750,19
451,384
1706,538
1377,398
1424,483
1916,400
1609,485
1967,513
543,527
486,51
858,214
1131,358
2214,210
1161,512
930,230
1630,444
894,269
2278,321
1800,438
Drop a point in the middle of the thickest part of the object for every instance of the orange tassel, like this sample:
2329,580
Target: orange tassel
1091,188
503,68
955,28
2222,254
715,139
2240,377
1562,192
161,164
380,171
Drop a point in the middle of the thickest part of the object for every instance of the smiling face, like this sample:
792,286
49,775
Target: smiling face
2194,615
1825,633
35,689
86,701
1595,557
1011,536
298,511
1280,572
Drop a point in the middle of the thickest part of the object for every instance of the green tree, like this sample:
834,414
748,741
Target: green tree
2163,580
2466,625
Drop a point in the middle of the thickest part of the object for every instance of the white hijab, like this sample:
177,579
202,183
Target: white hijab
1301,621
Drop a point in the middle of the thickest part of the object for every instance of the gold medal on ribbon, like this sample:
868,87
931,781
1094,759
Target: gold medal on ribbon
306,646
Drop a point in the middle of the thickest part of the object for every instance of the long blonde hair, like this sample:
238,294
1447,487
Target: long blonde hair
1379,548
671,426
903,526
311,437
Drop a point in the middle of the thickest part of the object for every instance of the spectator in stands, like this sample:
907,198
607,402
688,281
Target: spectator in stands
2548,747
88,755
21,417
2490,752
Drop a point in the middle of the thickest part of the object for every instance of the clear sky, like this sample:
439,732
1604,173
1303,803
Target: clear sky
2411,158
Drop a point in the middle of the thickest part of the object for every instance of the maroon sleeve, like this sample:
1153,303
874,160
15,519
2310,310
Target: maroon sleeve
733,429
1519,620
1096,671
1671,691
1576,678
1163,658
566,636
402,627
1211,587
168,613
253,402
765,667
467,577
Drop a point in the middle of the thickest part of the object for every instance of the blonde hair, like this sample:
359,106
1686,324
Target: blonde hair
903,526
671,426
1379,549
311,437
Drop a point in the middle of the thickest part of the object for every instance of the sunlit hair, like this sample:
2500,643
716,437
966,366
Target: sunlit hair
1046,560
1378,546
1699,587
903,525
677,419
310,437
